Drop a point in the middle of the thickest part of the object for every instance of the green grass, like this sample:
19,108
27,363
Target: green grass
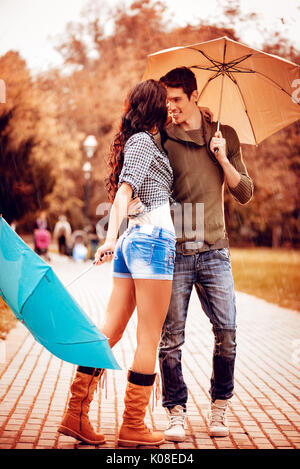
271,274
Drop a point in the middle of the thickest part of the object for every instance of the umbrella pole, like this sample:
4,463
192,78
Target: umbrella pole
216,150
221,99
86,270
80,275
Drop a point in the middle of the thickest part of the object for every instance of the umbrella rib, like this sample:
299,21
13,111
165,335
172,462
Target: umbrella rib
237,61
207,83
32,292
216,63
246,111
274,83
221,65
217,74
241,71
84,342
213,69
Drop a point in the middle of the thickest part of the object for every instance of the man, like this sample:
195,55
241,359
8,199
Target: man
62,233
199,175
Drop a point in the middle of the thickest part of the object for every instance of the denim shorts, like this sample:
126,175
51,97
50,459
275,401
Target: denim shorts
146,252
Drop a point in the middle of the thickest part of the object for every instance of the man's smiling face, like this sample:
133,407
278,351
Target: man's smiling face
180,107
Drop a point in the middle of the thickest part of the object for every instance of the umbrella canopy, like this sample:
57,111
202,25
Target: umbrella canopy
40,301
245,88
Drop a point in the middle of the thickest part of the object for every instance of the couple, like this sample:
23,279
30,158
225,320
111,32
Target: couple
154,271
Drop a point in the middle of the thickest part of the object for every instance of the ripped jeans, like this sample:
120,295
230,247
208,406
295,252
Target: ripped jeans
211,274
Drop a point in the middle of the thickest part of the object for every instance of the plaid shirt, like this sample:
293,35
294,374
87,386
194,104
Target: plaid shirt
147,170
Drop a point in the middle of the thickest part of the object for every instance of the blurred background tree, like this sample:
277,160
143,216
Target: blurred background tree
26,179
46,119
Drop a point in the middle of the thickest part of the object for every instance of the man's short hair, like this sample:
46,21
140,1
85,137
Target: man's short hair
181,77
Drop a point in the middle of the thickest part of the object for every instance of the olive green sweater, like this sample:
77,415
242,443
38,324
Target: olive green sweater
199,179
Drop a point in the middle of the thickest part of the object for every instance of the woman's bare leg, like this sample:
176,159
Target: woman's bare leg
152,300
119,309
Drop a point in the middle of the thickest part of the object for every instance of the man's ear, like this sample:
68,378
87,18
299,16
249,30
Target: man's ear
195,96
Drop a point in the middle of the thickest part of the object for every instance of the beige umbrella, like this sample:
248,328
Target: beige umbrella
245,88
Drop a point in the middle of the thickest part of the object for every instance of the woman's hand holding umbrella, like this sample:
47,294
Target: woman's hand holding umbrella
105,252
117,214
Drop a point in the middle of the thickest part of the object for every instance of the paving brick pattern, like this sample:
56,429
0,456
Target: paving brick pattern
264,413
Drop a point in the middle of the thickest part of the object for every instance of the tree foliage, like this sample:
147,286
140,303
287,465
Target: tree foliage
46,120
35,149
25,180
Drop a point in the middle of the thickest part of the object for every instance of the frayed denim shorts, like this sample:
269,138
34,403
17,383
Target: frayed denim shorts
145,252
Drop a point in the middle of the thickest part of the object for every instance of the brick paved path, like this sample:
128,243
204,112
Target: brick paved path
264,412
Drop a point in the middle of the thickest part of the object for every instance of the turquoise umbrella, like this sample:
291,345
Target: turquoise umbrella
40,301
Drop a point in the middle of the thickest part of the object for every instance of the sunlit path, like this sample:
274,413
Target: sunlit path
264,412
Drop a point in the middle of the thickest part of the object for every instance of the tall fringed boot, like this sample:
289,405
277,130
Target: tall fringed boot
76,421
133,431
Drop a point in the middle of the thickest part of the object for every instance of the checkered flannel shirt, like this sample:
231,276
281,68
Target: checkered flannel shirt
147,170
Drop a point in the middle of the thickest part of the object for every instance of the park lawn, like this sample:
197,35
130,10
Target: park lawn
271,274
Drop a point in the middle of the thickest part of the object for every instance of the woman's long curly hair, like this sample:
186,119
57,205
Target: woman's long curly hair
145,108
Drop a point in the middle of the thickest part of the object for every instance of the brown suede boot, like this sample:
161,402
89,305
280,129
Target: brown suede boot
133,431
76,421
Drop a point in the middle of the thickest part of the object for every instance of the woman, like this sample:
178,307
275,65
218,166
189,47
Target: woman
142,266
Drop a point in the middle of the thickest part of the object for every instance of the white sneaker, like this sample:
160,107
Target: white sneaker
175,430
217,419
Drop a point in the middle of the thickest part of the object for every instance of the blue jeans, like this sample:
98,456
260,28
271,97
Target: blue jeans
211,274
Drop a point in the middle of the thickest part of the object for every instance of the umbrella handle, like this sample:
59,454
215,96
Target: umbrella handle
106,252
